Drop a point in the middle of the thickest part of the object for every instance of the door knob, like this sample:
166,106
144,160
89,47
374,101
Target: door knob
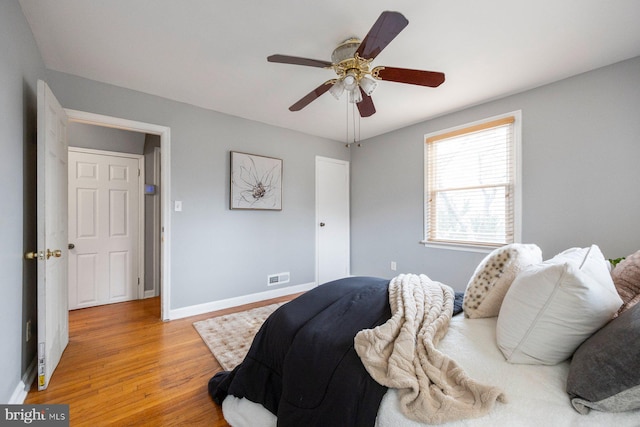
56,253
322,224
43,255
71,246
31,255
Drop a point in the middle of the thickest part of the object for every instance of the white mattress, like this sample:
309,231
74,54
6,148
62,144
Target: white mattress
536,394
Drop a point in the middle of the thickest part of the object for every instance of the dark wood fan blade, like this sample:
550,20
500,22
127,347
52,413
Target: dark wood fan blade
366,106
312,96
285,59
405,75
386,28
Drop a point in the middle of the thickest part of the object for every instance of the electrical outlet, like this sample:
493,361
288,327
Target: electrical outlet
394,266
28,328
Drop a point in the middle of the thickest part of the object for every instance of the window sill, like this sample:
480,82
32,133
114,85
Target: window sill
458,246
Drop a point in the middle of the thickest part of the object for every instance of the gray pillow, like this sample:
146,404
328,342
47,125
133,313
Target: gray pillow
605,371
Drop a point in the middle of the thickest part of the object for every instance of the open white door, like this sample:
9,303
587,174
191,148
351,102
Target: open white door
53,316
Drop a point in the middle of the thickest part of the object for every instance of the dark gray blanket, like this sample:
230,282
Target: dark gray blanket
302,365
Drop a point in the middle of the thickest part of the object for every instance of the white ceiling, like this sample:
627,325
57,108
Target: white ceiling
212,53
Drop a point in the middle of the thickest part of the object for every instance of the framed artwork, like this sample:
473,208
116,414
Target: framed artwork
256,182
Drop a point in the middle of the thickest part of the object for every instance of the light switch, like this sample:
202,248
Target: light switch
178,206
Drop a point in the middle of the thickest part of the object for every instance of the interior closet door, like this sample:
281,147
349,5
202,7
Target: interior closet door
104,227
332,219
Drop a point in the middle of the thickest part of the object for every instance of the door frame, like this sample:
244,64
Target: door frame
156,209
139,292
164,133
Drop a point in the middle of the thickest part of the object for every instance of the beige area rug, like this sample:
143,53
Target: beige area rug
230,336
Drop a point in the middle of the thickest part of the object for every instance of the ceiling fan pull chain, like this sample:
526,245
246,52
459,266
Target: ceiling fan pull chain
353,118
346,136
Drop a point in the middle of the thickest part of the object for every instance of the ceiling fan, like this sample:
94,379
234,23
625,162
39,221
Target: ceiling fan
351,61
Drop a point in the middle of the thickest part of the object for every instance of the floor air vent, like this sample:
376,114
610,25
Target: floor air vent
278,279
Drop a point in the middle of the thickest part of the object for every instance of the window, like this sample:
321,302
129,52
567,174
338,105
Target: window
472,195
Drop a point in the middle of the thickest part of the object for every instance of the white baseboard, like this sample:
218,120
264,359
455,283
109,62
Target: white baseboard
193,310
21,390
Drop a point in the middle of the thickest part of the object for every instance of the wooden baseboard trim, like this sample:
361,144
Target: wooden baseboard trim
151,293
194,310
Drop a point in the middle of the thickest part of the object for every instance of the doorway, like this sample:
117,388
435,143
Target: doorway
165,143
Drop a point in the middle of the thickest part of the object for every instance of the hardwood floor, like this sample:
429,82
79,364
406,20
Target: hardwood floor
126,367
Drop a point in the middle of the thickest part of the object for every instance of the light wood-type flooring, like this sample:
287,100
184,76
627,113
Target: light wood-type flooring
125,367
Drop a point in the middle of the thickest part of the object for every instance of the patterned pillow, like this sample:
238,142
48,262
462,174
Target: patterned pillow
493,276
626,277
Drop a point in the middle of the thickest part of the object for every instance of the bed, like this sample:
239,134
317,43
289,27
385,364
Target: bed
302,368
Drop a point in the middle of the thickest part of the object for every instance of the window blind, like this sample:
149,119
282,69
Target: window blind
470,184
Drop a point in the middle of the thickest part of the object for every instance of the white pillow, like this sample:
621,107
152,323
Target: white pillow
493,276
552,307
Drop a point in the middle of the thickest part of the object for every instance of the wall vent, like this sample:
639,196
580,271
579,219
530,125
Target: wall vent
278,279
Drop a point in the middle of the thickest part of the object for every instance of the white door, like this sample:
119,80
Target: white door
332,219
53,320
104,226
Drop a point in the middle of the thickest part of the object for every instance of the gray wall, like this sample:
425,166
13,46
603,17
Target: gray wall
580,148
104,138
217,253
20,67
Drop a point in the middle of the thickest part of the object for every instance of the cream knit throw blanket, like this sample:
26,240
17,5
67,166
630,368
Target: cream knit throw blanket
402,354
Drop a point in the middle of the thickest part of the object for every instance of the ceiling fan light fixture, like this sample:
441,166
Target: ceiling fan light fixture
355,96
337,89
350,82
368,84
